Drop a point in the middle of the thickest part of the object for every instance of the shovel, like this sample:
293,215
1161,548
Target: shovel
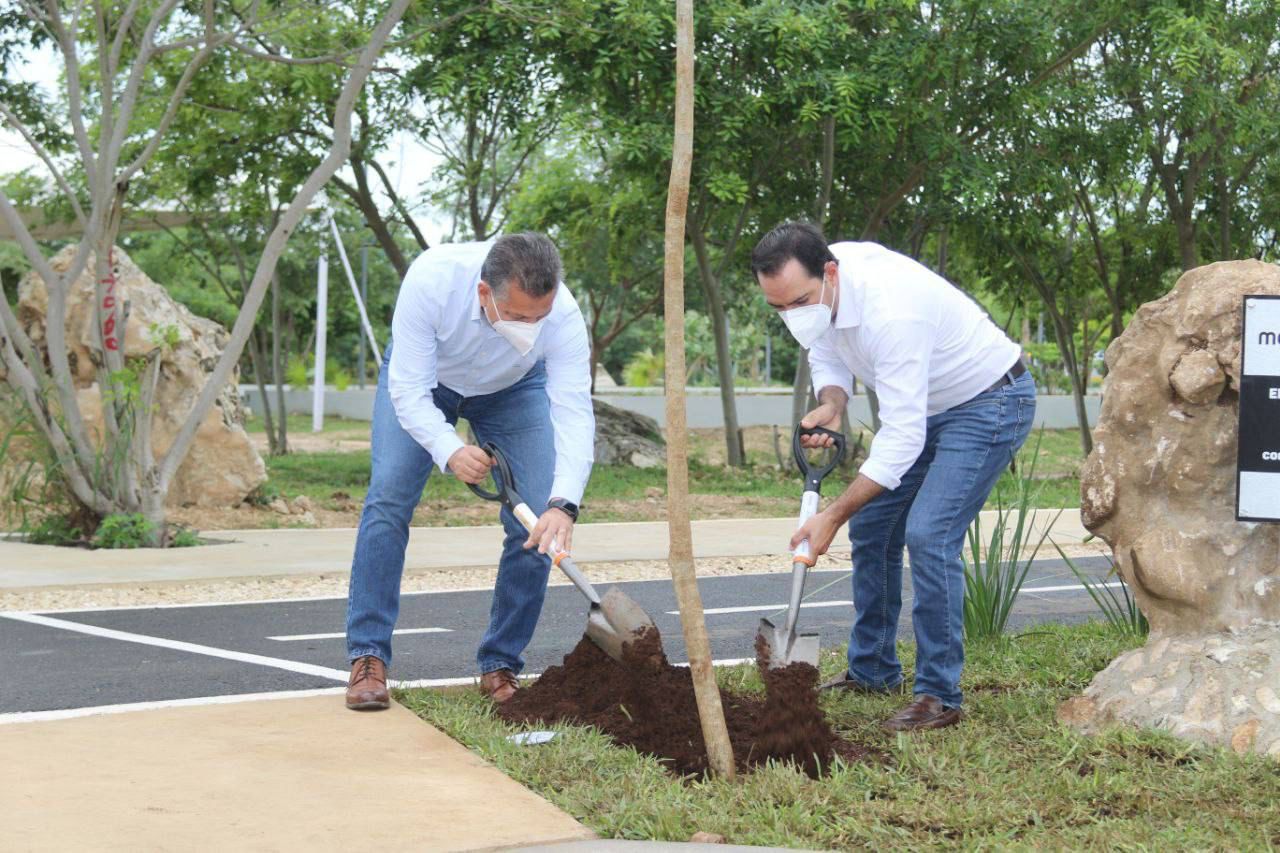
782,646
613,619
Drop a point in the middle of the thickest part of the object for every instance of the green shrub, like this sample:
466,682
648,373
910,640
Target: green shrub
296,372
55,530
337,374
125,530
181,536
993,580
1120,610
263,495
645,369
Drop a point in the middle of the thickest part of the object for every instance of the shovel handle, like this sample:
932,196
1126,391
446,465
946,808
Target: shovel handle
808,509
510,498
503,480
815,474
559,559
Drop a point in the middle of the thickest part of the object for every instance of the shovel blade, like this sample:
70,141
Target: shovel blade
778,650
615,621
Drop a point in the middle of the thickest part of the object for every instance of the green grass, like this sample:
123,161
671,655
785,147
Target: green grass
302,424
1008,777
318,475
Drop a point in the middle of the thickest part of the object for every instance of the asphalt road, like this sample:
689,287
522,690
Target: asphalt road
85,659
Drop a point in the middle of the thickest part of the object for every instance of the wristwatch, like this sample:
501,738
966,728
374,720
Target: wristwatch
567,507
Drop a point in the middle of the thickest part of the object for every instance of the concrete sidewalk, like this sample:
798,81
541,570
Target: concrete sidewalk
284,774
258,553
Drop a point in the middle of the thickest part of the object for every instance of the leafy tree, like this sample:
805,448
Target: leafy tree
120,104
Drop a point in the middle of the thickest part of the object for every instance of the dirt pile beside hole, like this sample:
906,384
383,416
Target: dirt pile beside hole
792,726
649,705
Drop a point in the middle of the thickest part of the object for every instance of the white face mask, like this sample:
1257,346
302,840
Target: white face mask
808,323
520,335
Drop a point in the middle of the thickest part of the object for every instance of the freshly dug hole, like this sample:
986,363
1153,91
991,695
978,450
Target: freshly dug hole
649,704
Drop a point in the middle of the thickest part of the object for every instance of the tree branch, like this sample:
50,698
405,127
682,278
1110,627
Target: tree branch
41,152
338,151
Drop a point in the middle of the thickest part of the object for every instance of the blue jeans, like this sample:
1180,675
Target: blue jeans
518,420
965,451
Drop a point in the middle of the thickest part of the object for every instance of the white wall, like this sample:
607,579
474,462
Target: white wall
756,406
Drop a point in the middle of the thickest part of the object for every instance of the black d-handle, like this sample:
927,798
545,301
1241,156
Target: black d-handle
502,478
814,475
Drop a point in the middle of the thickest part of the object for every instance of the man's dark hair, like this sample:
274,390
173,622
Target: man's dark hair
529,259
799,240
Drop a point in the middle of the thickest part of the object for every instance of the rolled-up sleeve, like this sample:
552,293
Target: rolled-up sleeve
568,361
901,358
411,375
827,368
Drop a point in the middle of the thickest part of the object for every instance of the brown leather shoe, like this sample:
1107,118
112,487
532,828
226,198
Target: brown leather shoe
925,712
499,685
844,683
367,689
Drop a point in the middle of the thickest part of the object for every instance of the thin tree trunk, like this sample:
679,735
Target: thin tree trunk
724,358
258,358
362,195
680,556
277,368
800,391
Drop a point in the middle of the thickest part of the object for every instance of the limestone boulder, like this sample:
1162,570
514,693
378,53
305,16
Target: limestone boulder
1160,485
222,466
1160,488
627,438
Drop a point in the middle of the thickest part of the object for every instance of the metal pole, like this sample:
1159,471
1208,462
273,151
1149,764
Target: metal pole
364,297
355,290
322,312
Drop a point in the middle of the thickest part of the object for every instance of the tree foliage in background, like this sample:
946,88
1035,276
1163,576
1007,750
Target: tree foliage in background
1061,163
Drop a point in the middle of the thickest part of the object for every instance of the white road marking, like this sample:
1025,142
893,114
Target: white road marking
100,710
769,608
1077,587
765,608
177,645
288,638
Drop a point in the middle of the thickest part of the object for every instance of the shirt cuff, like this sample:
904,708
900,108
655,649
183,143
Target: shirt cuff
874,469
825,377
442,449
567,488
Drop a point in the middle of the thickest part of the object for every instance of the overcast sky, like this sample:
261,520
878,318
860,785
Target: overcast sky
408,163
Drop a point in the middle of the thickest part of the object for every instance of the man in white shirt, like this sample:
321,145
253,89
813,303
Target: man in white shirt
486,332
956,404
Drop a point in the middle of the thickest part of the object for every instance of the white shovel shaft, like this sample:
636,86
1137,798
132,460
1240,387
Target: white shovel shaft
808,509
526,517
558,557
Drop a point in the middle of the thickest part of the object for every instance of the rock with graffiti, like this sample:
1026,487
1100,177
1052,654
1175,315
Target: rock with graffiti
137,316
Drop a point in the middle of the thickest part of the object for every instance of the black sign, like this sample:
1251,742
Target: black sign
1258,464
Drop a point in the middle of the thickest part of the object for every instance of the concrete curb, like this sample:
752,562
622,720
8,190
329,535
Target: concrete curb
270,553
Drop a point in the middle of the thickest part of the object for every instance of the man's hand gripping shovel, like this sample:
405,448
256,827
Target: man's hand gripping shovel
782,646
614,619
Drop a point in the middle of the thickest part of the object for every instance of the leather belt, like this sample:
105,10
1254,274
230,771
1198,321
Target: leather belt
1009,376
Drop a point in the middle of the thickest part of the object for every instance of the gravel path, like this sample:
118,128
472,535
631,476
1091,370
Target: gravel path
334,584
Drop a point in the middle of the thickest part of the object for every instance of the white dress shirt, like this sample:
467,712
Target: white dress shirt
441,336
912,337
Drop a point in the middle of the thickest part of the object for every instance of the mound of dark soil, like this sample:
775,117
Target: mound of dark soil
649,704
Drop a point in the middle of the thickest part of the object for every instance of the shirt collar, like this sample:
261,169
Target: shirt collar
849,311
476,312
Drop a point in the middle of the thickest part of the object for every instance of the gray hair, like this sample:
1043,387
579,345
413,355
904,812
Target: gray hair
529,259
